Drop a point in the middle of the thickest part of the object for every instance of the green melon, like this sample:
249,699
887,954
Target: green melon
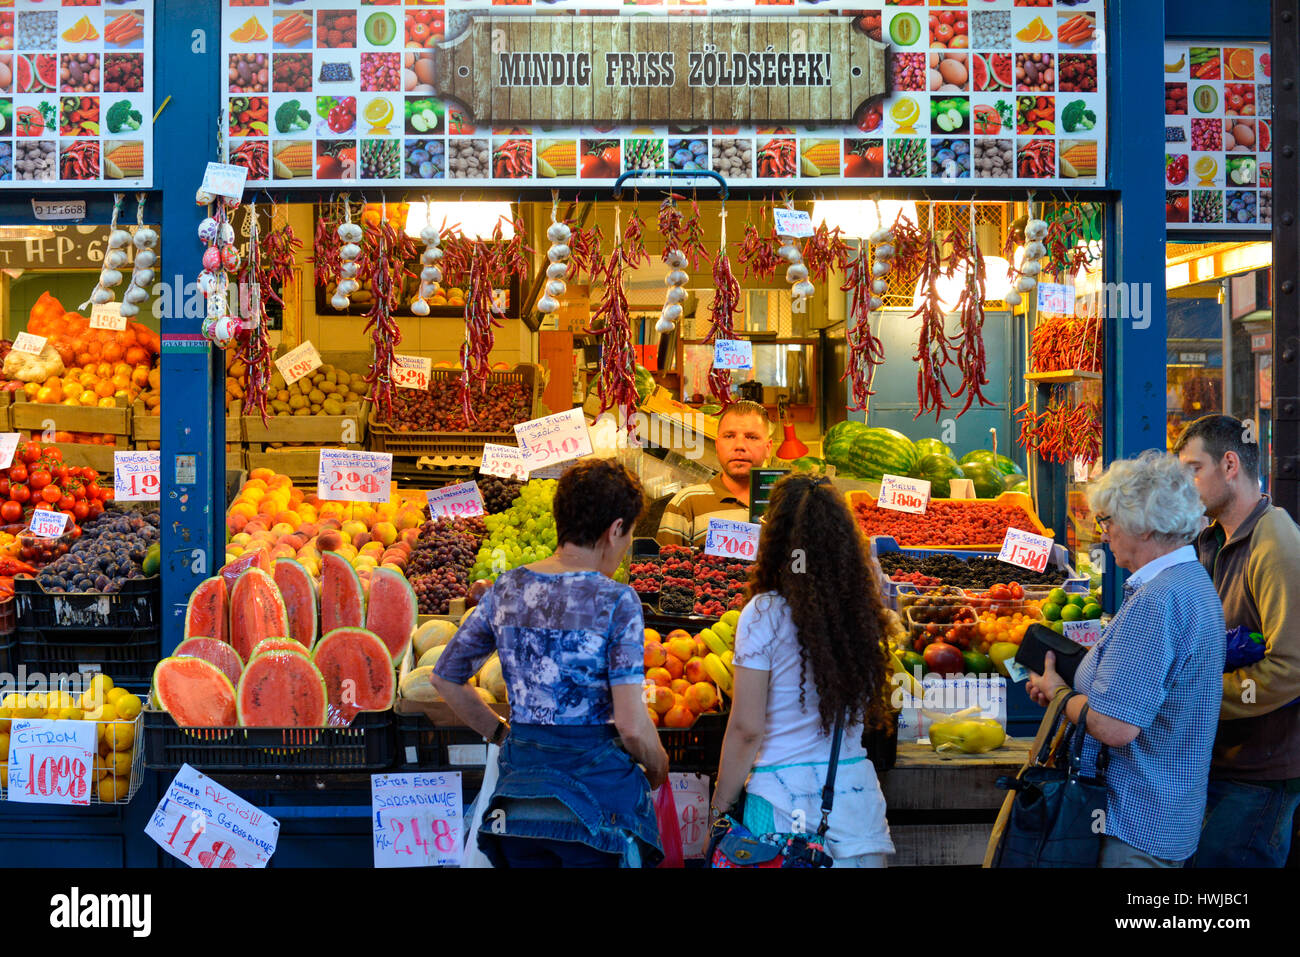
926,447
1007,467
939,471
981,457
987,479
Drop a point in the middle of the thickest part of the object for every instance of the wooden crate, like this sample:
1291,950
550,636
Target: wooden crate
6,416
78,455
326,430
34,416
234,429
145,428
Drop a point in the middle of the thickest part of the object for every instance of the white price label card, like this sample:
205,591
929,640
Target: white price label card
417,819
348,475
796,223
733,354
691,798
107,315
46,524
58,209
1056,297
224,179
456,501
298,362
411,372
939,696
1025,549
1086,633
8,445
901,494
503,461
28,343
732,539
553,438
1081,469
205,825
137,476
52,762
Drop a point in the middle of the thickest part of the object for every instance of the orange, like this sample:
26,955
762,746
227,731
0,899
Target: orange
48,395
108,402
142,376
113,351
136,356
1241,63
104,389
121,381
104,369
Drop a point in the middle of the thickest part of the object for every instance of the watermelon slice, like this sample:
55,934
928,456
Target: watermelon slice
256,612
358,672
299,593
232,571
196,693
394,610
208,612
282,689
214,651
342,603
278,644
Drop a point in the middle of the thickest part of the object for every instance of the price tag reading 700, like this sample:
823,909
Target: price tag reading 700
732,539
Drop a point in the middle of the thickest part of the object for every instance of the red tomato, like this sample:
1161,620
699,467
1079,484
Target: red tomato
80,511
18,472
65,503
593,167
11,513
60,473
39,480
20,493
609,156
89,474
53,454
96,509
29,452
50,494
4,487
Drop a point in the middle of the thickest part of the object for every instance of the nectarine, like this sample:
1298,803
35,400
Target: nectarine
655,656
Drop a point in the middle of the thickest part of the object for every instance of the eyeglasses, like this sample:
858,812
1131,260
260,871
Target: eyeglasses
1103,523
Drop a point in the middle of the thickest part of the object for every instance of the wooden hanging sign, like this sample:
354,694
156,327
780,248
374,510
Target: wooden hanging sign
680,70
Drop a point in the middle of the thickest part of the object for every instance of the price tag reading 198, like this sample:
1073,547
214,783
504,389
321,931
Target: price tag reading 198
298,362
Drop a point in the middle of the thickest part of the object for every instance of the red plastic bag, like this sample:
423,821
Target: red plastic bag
670,835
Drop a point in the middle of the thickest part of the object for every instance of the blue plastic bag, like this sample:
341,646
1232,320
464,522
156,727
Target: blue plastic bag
1245,647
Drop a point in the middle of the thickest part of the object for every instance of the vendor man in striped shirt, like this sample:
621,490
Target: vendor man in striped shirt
744,442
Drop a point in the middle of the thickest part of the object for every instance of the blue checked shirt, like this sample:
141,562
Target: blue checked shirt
1159,666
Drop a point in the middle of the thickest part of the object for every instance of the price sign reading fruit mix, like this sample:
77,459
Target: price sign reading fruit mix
1025,549
347,475
732,539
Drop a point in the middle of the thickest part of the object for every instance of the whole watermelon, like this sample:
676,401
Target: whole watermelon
939,471
987,479
645,382
926,447
837,444
1017,483
981,457
809,464
877,452
1007,467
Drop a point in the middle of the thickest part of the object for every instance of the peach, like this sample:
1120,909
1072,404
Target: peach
371,548
236,521
655,656
296,541
347,551
679,686
695,672
308,530
651,635
283,551
243,538
360,539
385,532
660,698
673,665
353,528
677,633
682,647
679,715
233,552
654,718
700,697
329,541
410,536
287,517
659,676
408,517
330,522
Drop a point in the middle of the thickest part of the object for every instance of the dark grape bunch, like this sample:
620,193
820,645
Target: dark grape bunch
440,562
498,493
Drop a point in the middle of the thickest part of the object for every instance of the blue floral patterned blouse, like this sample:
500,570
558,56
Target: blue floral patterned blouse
564,641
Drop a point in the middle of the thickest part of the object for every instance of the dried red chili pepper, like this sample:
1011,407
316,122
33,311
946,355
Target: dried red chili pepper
866,351
722,313
970,357
616,385
758,253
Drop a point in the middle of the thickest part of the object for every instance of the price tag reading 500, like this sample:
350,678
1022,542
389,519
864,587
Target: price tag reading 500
345,475
732,539
553,439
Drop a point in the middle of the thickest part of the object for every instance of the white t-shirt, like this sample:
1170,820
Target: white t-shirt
790,769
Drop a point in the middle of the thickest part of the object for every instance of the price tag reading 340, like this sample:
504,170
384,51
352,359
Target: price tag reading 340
136,476
1025,549
732,539
901,494
346,475
411,372
553,439
46,524
462,500
296,363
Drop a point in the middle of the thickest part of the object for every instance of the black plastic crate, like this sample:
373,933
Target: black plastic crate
697,748
137,605
127,655
9,654
424,745
365,745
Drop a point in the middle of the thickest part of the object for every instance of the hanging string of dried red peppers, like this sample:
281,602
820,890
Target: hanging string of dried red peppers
1065,430
722,313
611,321
866,351
268,270
932,345
383,263
969,345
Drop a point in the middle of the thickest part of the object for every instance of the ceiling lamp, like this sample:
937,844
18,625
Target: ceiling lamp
856,218
471,220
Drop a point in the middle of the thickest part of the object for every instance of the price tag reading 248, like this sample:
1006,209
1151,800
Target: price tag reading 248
729,539
901,494
1025,549
346,475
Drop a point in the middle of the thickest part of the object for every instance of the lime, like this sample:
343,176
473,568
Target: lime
977,663
1057,596
1078,600
1058,627
913,660
1052,611
1071,613
1092,611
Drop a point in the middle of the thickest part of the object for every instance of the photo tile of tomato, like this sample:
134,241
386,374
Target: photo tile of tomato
6,30
600,159
864,158
336,159
423,29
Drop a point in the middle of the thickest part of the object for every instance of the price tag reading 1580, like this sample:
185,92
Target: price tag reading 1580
1025,549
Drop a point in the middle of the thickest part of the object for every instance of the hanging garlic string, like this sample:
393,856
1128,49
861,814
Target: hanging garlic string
142,271
114,259
349,252
557,259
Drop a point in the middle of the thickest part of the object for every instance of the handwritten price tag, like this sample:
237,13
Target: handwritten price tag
28,343
224,179
1025,549
8,445
691,796
136,476
48,524
1086,633
417,819
456,501
503,461
792,222
901,494
411,372
732,539
553,438
296,363
733,354
1056,297
51,762
201,823
107,315
345,475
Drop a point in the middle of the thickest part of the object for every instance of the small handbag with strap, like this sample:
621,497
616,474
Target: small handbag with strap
731,844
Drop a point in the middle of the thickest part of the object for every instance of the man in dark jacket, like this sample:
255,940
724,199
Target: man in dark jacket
1252,551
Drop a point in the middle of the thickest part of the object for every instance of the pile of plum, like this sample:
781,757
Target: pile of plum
438,409
109,552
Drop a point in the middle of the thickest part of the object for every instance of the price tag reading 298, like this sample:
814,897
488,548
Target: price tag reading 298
346,475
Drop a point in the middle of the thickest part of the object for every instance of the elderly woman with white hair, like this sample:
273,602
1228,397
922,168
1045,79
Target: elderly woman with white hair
1153,683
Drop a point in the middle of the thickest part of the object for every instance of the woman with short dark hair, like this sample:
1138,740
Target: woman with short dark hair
571,643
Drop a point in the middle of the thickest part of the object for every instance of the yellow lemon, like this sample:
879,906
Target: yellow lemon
905,112
4,746
71,714
103,684
128,706
378,112
120,762
120,735
112,788
113,695
5,715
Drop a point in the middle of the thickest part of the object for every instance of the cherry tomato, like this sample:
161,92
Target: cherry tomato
96,509
11,513
20,493
80,511
29,452
39,480
610,157
51,494
65,503
18,472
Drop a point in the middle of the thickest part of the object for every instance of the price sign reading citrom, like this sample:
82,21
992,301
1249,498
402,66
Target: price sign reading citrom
107,315
28,343
347,475
462,500
1025,549
411,372
732,539
417,819
8,445
503,461
205,825
733,354
901,494
47,524
51,762
298,362
136,476
553,439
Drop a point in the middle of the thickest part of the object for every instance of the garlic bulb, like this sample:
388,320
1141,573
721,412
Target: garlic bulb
115,259
349,251
558,253
101,296
557,270
879,269
676,294
430,235
348,271
790,254
419,307
128,309
430,274
874,303
555,287
1035,251
339,302
796,273
885,252
1031,268
675,258
145,258
672,312
882,235
135,295
1035,229
1026,284
879,286
145,238
676,278
118,238
664,326
802,290
558,233
547,304
110,278
1012,298
349,233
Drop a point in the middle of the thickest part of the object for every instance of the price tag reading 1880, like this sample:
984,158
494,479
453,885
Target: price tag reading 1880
346,475
462,500
296,363
1025,549
901,494
732,539
553,439
136,476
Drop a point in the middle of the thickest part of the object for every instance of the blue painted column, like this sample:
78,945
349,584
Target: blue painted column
193,406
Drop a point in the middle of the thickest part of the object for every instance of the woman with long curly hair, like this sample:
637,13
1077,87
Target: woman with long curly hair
808,651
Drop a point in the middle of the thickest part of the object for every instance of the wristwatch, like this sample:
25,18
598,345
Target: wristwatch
499,735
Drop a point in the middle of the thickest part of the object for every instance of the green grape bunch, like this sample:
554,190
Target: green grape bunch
522,534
